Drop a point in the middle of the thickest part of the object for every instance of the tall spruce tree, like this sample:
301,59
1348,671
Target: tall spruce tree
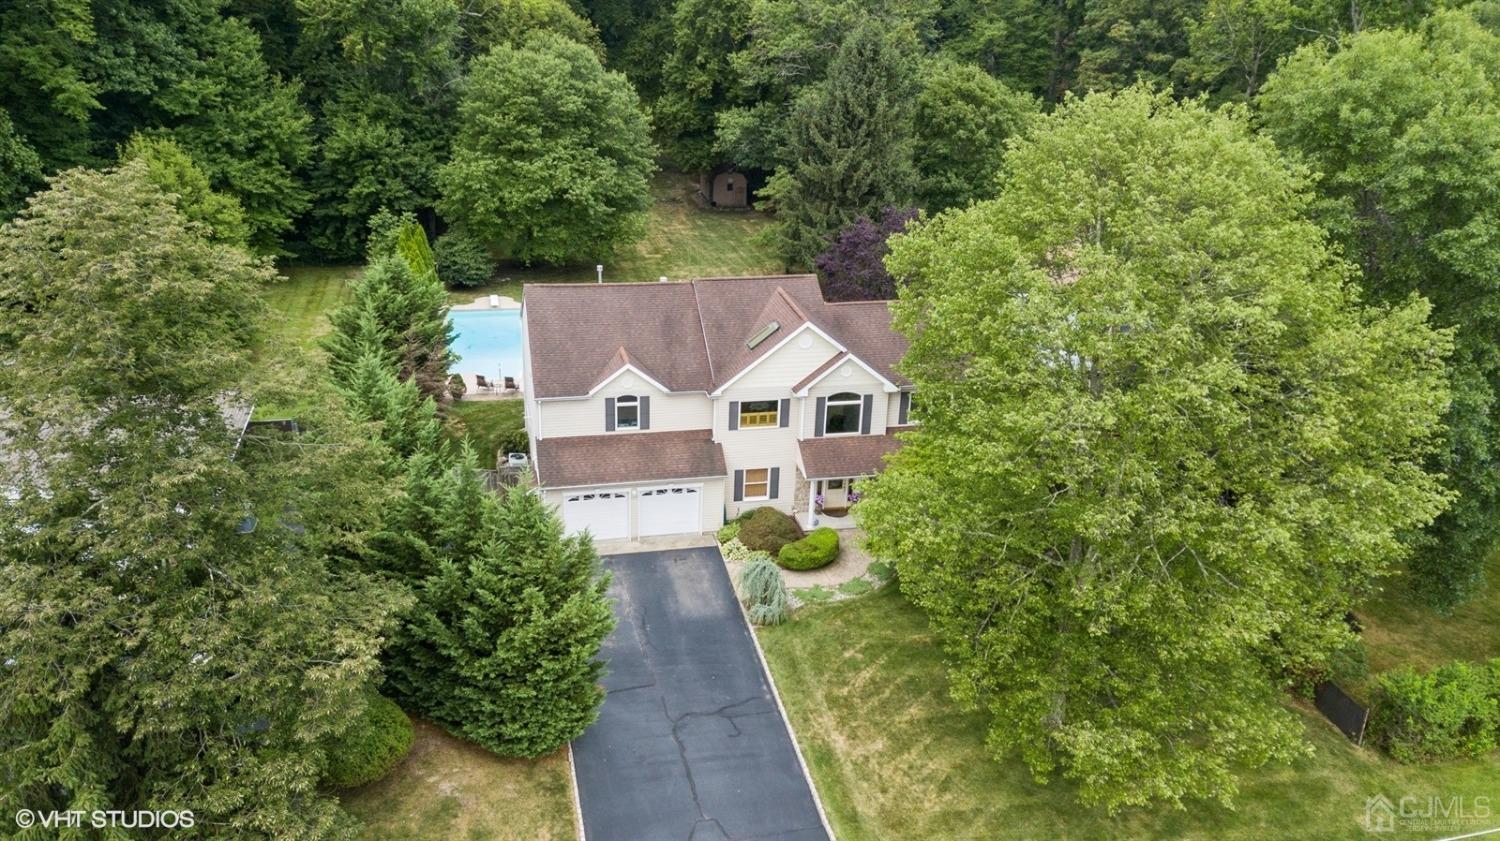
849,144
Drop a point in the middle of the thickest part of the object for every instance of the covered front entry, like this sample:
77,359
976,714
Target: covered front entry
670,510
604,513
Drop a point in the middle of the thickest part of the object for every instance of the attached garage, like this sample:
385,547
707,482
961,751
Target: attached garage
670,510
605,514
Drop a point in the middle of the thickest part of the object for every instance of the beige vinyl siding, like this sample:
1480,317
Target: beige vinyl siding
750,449
669,412
859,381
787,365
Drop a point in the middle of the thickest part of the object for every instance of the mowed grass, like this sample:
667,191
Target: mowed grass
683,241
303,298
1397,632
894,757
485,424
450,789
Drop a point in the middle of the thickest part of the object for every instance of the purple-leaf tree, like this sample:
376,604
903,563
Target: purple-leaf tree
852,267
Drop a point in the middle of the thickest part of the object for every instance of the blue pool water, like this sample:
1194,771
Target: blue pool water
487,342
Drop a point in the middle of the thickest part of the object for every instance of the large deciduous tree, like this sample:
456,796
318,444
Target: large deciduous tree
852,268
553,156
1405,127
175,172
382,78
963,118
849,144
181,624
1163,446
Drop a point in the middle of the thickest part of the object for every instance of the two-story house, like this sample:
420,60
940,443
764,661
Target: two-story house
667,408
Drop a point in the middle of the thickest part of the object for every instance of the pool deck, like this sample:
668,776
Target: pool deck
489,302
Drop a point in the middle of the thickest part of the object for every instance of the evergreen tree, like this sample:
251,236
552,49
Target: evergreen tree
849,145
406,313
502,646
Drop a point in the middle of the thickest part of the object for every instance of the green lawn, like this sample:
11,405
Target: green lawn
894,757
486,423
303,299
682,241
450,789
1397,633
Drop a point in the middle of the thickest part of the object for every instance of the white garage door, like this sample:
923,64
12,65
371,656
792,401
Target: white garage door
677,510
605,514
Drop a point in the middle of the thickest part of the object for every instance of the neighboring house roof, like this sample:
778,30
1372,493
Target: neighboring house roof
635,457
840,457
689,336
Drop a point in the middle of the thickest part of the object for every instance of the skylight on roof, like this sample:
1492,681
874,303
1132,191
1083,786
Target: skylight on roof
765,333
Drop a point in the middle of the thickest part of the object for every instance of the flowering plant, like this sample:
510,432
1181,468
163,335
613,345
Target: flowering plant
818,501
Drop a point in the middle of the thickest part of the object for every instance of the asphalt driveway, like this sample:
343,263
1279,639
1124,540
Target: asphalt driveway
689,745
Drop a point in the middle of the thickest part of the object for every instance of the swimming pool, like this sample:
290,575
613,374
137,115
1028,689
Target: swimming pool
487,342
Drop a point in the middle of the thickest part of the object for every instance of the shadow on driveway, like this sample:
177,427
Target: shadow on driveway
689,745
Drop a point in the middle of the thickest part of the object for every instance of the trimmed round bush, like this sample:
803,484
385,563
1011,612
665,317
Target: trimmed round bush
768,530
462,260
372,745
818,549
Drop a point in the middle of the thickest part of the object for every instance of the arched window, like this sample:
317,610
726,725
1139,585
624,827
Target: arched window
627,412
843,413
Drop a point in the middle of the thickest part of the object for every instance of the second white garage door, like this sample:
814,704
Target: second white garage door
674,510
605,514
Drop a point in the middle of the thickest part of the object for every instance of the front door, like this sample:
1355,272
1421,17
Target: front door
835,494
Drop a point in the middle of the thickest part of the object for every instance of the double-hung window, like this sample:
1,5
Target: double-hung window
758,483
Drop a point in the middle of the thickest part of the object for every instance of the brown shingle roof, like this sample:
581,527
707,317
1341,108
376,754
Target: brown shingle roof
629,457
837,458
688,336
576,330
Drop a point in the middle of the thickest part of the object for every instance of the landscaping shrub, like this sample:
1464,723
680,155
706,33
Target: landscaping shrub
766,599
462,261
1450,712
729,531
818,549
768,530
456,386
372,745
513,440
